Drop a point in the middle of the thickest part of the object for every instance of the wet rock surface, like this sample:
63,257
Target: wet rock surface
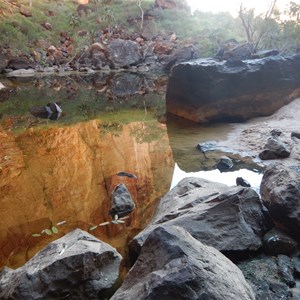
173,265
73,266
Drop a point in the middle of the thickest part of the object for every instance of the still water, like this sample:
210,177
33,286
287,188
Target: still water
57,171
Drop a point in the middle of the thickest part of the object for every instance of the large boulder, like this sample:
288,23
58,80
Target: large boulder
280,192
173,265
20,63
209,90
230,219
124,53
76,266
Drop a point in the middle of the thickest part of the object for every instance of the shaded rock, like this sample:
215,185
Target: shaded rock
3,62
274,148
123,53
20,63
173,265
227,218
233,50
265,53
276,132
207,146
286,270
266,280
126,84
225,163
295,134
278,242
280,192
121,202
75,266
242,182
207,90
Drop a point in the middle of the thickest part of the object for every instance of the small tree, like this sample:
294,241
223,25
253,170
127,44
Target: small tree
257,27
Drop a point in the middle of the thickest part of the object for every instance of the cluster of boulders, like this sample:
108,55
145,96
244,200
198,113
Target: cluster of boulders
206,240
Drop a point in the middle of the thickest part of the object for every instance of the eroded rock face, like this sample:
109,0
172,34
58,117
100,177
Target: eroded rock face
280,192
73,266
208,90
173,265
227,218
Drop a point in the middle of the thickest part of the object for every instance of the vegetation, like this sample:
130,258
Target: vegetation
21,24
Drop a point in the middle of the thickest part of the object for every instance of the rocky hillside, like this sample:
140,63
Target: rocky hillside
80,35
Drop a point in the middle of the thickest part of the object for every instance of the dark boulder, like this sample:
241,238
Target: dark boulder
274,149
278,242
123,53
230,219
234,50
121,202
207,90
280,192
50,111
225,164
173,265
76,266
295,134
242,182
20,63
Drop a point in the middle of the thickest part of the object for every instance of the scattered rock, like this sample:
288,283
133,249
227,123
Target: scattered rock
278,242
280,192
47,26
225,164
121,202
274,149
276,132
75,266
50,111
295,134
242,182
173,265
20,63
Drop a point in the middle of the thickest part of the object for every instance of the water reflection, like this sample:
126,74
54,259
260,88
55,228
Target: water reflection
63,172
228,178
